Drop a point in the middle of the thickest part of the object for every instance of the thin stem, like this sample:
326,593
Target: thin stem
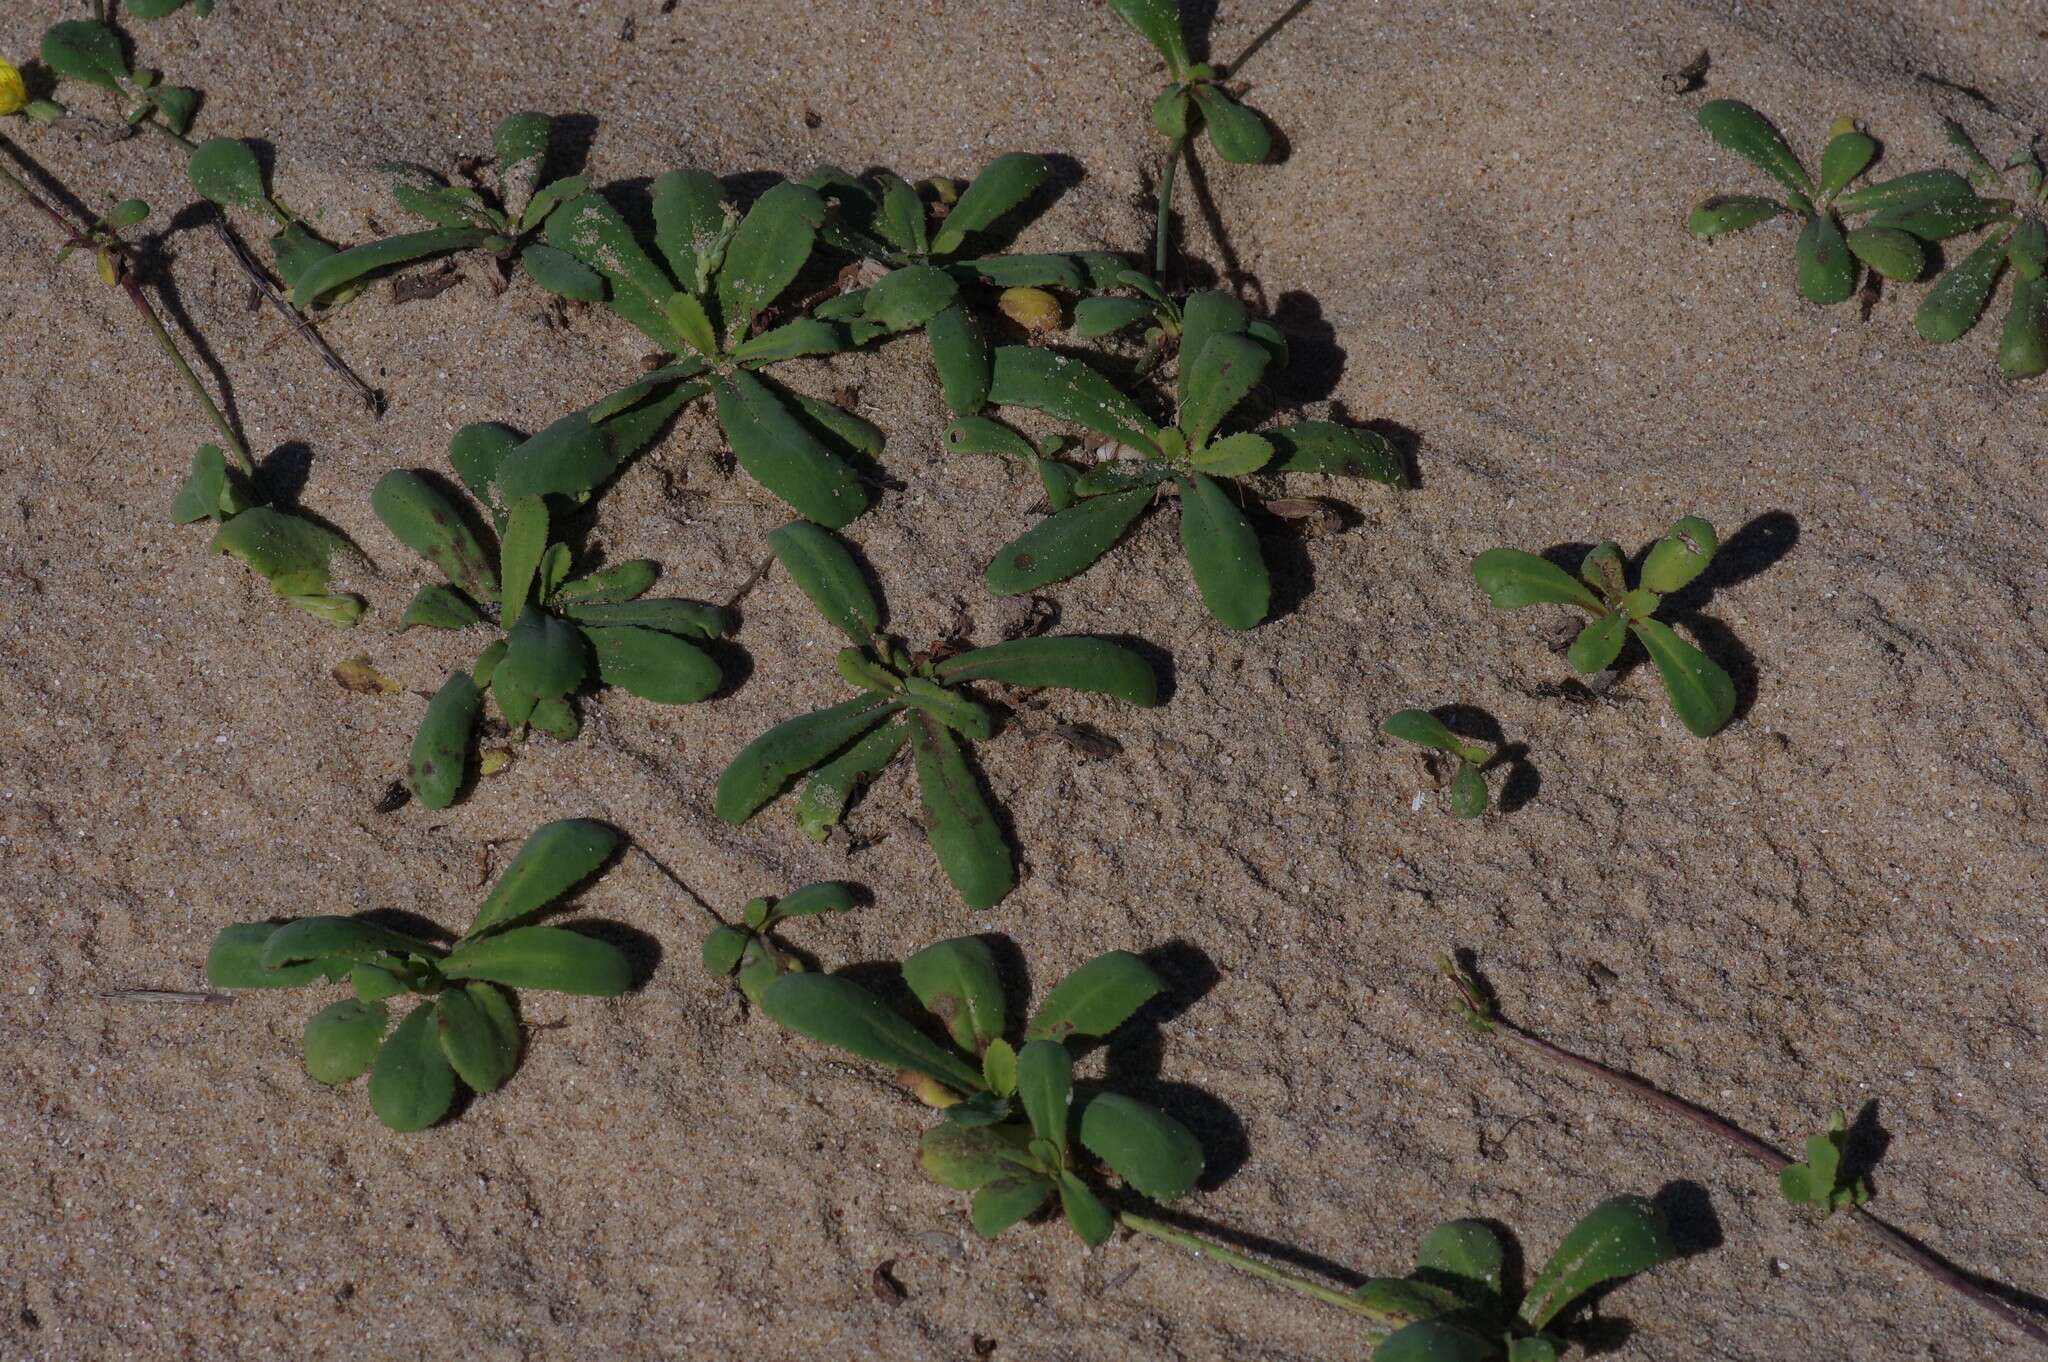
1209,1248
1163,236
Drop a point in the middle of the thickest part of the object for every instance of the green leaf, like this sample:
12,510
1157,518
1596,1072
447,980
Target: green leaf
2027,249
1618,1238
209,491
1070,663
1207,314
1027,271
766,764
289,552
1922,186
561,273
1536,1349
902,219
910,297
839,428
1326,447
1065,543
1003,184
1892,253
965,1157
1468,791
723,948
555,858
486,664
956,981
1750,135
1234,455
825,571
957,712
1158,23
999,1067
1045,1089
1408,1300
543,957
685,619
613,585
791,340
1464,1254
653,665
1598,644
440,750
522,541
376,984
1006,1201
1223,551
428,523
1435,1340
1513,579
223,170
521,143
1424,729
1097,317
235,960
545,659
962,828
783,456
476,452
439,607
82,50
1959,297
831,787
1096,998
1939,219
334,938
1827,274
411,1084
1222,375
1700,691
342,1039
1148,1149
474,1045
1121,475
983,435
572,456
345,267
1731,213
961,354
1847,155
1070,390
1240,136
1680,556
2023,349
1084,1211
692,228
770,247
842,1014
177,105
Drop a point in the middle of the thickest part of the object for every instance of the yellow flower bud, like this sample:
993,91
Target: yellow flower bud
1031,308
1842,125
13,93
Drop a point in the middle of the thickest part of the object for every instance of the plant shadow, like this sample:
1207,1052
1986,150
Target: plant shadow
1133,1057
1523,780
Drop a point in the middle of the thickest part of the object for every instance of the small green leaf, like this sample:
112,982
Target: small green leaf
1070,390
543,957
1940,219
1234,456
1700,691
965,1157
590,229
1905,191
1959,297
545,659
1027,271
1618,1238
1847,155
722,949
1731,213
983,435
1223,551
1158,23
1750,135
440,750
521,143
420,517
961,354
1240,136
486,664
1045,1089
825,571
962,828
1598,644
768,763
1325,447
332,272
1066,542
1827,273
561,273
1148,1149
474,1046
770,247
1424,729
411,1083
902,221
822,802
1003,184
522,541
1171,112
1513,579
288,551
1680,556
1464,1254
1437,1340
1468,791
235,960
1096,998
621,582
791,340
1069,663
82,50
555,858
685,619
1097,317
375,983
1228,367
334,938
1206,315
2027,249
783,456
653,665
439,607
2023,349
999,1067
692,229
1004,1202
1892,253
209,491
956,981
1084,1211
840,1013
910,297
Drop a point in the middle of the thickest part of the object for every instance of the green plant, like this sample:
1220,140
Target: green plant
1700,691
750,953
1014,1112
1222,359
1468,786
560,632
294,554
917,700
161,9
91,53
2019,238
1926,205
465,1025
724,276
1822,1180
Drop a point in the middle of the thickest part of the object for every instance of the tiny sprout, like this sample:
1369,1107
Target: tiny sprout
91,52
560,633
2019,238
1906,211
1468,787
1193,97
1223,356
1014,1113
1700,691
919,700
465,1025
1821,1180
750,954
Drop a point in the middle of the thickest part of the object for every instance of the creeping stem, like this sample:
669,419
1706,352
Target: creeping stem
1209,1248
1162,237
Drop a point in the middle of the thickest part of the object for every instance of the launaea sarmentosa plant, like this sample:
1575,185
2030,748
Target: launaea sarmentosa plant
921,701
1020,1130
92,53
750,953
1194,457
1700,691
463,1024
1193,100
2017,241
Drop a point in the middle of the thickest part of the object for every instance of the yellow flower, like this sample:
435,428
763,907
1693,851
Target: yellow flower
13,94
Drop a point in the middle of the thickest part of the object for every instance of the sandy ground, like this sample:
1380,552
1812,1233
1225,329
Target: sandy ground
1476,236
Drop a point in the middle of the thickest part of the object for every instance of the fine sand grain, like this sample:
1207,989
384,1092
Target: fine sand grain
1477,236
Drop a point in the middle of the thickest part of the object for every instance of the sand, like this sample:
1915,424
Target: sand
1476,236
